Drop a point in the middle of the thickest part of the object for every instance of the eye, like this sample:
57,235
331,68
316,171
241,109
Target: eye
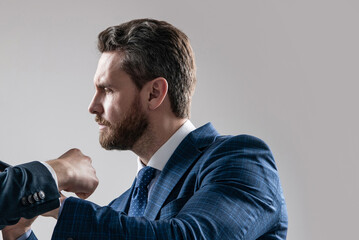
107,90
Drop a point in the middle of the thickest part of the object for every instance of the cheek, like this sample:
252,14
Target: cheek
112,110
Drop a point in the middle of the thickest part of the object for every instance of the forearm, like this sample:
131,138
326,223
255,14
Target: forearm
95,222
19,184
212,213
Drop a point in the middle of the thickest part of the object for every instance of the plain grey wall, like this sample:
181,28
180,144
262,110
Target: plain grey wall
285,71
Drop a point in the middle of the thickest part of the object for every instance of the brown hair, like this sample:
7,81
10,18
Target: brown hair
154,49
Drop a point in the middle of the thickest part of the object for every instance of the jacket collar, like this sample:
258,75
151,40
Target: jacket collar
189,150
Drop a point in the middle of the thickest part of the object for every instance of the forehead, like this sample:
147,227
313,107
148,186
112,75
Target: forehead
109,67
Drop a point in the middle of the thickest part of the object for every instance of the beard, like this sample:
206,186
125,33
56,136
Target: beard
125,133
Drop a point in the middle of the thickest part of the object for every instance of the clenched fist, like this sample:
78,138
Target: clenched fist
75,173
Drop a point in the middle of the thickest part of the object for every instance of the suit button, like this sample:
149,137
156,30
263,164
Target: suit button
41,195
30,199
24,201
36,197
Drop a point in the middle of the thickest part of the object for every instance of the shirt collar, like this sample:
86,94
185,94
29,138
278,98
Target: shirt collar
163,154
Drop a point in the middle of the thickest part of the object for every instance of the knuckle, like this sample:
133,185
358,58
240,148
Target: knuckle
96,181
75,150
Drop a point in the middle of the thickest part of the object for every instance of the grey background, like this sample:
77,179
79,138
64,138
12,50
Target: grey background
284,71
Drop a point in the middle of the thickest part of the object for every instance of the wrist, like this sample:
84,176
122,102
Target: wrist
63,172
15,234
17,230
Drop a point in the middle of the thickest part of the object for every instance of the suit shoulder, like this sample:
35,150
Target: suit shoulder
242,141
243,148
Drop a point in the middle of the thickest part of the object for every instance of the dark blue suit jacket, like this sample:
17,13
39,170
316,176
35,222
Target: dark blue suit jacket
213,187
18,185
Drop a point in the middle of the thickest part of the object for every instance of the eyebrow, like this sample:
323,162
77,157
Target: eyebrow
103,85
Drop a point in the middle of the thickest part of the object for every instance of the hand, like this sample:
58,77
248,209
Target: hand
55,213
15,231
75,173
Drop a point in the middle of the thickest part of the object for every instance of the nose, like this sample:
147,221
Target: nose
95,106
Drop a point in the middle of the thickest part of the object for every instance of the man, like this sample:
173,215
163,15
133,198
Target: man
192,183
31,189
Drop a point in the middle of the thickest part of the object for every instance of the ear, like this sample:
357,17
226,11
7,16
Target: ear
157,91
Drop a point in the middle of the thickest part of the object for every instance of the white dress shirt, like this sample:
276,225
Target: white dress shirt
163,154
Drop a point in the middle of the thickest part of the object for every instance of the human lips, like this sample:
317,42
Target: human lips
101,123
101,126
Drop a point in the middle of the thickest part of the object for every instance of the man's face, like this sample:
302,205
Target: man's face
117,105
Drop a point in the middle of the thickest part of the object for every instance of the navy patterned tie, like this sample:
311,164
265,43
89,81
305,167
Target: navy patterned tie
140,194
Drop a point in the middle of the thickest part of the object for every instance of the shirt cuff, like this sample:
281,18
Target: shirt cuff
52,171
25,235
61,207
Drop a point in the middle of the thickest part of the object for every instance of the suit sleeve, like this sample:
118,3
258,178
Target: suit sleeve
238,196
26,190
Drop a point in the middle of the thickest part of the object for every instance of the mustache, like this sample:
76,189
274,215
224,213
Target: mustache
102,121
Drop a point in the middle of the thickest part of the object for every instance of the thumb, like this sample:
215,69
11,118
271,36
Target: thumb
83,195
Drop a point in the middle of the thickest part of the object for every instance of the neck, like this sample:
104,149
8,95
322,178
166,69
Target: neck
155,136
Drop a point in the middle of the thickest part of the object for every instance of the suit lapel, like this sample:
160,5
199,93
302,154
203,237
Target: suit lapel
122,203
184,156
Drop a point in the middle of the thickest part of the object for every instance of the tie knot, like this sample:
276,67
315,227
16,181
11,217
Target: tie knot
145,176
